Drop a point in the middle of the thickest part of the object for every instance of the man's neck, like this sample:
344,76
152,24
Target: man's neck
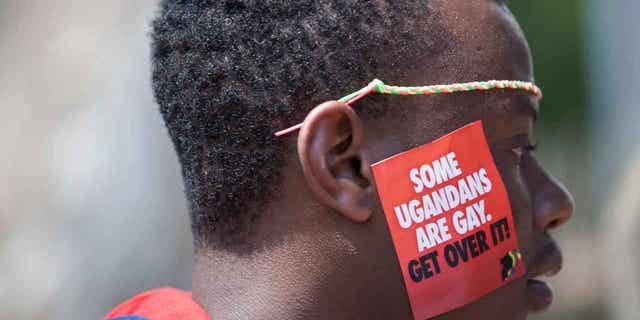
291,281
259,285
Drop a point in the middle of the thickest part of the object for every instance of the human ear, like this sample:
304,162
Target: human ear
330,148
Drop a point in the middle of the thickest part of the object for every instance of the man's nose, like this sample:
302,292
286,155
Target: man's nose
552,203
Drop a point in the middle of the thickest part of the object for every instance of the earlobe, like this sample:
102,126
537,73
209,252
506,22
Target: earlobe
337,171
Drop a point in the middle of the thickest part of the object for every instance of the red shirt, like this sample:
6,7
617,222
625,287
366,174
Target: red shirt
159,304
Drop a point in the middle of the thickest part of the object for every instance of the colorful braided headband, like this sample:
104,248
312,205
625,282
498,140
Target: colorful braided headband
378,86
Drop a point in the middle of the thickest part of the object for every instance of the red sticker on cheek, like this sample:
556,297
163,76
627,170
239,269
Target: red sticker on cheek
450,220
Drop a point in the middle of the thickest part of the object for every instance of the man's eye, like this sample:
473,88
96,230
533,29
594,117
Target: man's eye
520,151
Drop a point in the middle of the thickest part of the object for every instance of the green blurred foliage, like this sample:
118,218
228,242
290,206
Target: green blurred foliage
554,29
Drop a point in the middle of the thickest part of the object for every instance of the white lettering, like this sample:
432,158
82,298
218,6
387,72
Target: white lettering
485,180
417,213
440,171
402,213
414,176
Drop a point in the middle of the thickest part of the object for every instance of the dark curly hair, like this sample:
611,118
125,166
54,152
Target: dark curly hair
227,74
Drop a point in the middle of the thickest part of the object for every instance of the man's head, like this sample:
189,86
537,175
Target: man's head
228,74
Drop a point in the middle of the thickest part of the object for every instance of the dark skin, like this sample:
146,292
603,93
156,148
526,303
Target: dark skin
322,249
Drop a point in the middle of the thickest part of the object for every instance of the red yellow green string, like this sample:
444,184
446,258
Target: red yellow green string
378,86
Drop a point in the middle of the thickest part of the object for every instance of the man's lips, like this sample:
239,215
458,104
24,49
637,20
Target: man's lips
549,263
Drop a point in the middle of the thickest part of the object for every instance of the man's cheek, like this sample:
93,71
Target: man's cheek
449,214
520,201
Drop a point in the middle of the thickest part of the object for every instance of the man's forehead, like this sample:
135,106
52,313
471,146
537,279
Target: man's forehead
493,47
488,43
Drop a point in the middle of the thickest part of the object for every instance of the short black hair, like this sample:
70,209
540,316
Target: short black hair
228,74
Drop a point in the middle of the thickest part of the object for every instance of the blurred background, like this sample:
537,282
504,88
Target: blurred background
91,205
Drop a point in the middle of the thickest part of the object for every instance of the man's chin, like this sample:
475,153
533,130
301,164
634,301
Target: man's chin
539,295
510,302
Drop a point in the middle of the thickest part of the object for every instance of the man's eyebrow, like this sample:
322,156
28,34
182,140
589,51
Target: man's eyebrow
527,105
534,107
